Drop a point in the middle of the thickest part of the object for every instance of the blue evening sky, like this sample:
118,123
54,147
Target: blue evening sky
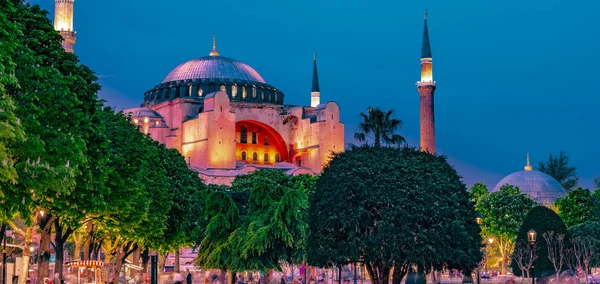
513,76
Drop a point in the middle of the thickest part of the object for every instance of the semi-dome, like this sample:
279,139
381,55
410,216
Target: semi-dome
543,188
214,67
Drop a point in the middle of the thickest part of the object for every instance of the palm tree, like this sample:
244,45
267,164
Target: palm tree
379,126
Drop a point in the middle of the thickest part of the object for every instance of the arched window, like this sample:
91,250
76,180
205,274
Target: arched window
223,88
243,156
199,92
266,160
266,140
189,94
253,137
243,135
277,158
254,157
254,92
234,90
244,94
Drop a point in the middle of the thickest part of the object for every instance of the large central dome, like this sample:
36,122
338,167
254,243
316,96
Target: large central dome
214,67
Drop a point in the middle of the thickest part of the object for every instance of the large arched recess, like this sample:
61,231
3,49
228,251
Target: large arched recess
268,141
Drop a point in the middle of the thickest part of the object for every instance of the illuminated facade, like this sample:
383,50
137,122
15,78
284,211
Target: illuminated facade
226,120
426,89
63,22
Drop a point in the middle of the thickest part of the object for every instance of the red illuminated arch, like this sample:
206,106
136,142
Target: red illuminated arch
268,142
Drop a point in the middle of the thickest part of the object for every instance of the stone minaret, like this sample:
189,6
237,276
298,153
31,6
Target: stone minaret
315,93
426,89
63,22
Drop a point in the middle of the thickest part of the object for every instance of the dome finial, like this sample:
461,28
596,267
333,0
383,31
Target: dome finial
214,51
528,167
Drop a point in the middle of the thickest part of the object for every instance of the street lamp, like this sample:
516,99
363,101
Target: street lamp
531,237
478,219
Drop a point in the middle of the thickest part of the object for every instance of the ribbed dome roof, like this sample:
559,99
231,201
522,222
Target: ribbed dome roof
214,67
543,188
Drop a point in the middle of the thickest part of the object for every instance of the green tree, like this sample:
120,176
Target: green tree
391,208
577,207
11,129
379,126
503,213
257,223
558,168
542,220
477,191
588,232
597,182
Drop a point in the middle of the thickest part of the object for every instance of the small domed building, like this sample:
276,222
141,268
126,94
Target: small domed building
226,120
543,188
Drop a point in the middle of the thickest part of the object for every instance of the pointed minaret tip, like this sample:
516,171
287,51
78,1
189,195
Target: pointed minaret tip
214,51
426,48
315,92
528,167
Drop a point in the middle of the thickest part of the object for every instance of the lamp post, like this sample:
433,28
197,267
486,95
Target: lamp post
531,237
479,220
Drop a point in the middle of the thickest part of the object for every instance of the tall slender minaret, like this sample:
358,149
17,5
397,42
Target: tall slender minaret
426,89
315,93
63,22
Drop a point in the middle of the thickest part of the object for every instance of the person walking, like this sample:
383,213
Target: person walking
188,277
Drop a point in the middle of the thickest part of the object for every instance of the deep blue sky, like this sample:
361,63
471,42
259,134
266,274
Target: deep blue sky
513,76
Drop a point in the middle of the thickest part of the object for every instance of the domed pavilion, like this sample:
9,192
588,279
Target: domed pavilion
226,120
543,188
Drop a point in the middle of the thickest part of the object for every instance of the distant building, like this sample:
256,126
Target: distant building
226,120
543,188
63,22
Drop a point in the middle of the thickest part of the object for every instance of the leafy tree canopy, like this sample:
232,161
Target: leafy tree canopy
542,220
391,205
577,207
590,232
477,191
558,168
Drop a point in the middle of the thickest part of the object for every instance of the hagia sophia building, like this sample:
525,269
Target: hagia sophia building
226,120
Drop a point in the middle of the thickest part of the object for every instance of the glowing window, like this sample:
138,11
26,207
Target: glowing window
243,156
223,88
254,157
253,137
189,90
199,92
266,160
244,94
277,158
243,135
254,92
234,90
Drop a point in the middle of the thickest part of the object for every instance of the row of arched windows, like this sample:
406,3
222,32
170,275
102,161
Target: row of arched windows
244,136
175,91
265,157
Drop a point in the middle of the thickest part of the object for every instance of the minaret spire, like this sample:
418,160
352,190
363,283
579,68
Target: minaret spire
315,93
214,51
528,167
426,90
63,22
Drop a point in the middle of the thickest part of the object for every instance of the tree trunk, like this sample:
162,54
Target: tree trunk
87,246
135,256
400,271
28,234
45,223
118,265
223,277
379,273
177,268
145,259
339,274
233,277
467,275
59,243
